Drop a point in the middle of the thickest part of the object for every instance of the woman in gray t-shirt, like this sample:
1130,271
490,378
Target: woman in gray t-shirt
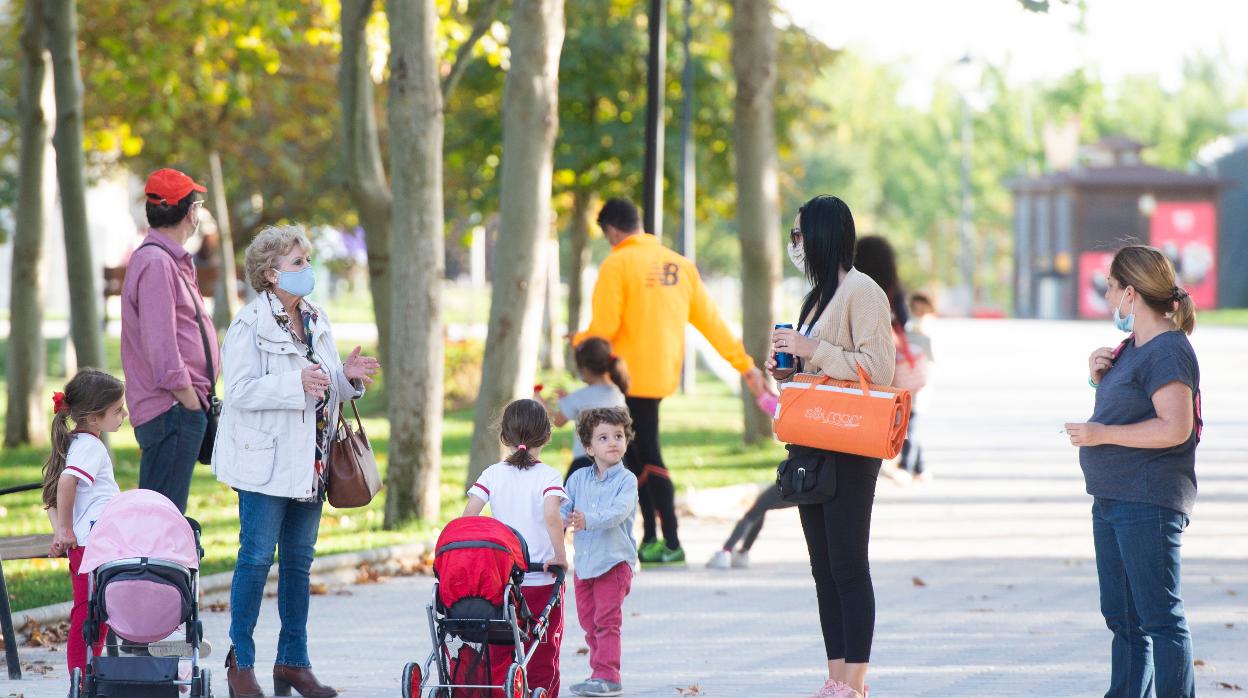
606,379
1138,454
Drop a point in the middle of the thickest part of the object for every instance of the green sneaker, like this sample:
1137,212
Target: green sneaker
660,554
652,552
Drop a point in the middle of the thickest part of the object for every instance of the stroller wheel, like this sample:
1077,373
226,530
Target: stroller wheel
538,693
205,683
75,684
516,686
412,680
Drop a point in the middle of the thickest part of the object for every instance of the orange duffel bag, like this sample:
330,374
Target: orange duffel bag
843,416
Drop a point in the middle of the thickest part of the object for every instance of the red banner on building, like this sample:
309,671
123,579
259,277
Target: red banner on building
1093,276
1187,232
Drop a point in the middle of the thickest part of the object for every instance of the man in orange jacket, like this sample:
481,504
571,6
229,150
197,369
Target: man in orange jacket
644,297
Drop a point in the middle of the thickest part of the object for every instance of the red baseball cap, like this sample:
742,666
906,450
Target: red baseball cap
169,186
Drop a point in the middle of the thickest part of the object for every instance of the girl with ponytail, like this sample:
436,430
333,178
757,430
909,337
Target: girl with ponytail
606,382
1138,454
526,494
78,480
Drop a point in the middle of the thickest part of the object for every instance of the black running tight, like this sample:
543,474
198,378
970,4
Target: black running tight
837,535
655,491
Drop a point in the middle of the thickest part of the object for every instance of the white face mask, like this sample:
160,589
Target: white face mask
797,255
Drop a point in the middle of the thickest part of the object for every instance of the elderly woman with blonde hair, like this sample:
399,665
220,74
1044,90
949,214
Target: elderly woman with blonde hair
284,384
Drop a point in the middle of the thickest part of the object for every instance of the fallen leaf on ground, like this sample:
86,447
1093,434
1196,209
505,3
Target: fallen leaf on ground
582,650
319,589
694,690
46,636
1198,662
217,607
1232,592
1228,686
918,582
1230,625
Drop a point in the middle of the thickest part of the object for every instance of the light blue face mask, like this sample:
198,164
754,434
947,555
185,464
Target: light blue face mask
1125,324
297,283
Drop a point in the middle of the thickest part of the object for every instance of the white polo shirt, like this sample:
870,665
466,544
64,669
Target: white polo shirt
516,498
88,461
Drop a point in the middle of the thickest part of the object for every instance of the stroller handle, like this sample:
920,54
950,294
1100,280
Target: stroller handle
559,572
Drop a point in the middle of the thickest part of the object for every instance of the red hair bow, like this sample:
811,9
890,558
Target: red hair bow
58,403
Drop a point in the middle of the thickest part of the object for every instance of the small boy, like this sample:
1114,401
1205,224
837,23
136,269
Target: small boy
600,509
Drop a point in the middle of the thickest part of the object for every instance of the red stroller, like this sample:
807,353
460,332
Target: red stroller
477,608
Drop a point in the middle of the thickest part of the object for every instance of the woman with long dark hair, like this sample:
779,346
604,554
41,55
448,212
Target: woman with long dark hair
845,323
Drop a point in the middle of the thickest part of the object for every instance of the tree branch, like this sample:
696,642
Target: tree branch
463,56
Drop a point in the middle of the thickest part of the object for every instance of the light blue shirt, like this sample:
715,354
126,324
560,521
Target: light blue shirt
609,504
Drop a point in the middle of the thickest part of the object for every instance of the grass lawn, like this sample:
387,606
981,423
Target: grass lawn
1226,316
702,436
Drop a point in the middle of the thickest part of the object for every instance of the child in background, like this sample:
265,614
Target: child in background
911,459
601,504
525,493
747,529
606,380
78,481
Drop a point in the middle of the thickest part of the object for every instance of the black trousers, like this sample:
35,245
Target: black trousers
655,492
837,535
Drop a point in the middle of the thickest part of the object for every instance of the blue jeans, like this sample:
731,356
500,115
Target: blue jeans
168,450
1137,564
291,526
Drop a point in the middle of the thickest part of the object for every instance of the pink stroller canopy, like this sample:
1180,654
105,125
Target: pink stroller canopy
140,523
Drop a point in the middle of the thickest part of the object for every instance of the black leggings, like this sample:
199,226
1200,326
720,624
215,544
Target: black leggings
837,535
747,529
655,491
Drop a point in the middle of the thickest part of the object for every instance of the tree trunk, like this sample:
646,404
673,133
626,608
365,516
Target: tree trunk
415,370
225,306
552,342
26,409
582,214
365,173
530,121
61,21
758,197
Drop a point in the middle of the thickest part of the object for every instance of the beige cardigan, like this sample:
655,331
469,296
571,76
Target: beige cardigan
855,329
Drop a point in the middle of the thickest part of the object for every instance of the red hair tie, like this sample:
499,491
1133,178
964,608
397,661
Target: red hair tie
613,357
58,403
538,388
522,447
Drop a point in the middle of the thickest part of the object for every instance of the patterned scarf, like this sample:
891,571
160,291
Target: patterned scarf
309,317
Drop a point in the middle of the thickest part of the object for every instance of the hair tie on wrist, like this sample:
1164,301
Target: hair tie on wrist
58,403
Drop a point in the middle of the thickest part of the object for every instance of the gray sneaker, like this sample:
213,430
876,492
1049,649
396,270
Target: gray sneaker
598,687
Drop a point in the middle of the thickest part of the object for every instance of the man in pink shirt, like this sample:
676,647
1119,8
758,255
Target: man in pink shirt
170,358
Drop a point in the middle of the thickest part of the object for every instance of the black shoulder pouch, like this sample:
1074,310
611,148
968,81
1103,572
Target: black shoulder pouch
807,476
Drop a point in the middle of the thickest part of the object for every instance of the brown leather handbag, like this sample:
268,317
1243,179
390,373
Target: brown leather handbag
353,476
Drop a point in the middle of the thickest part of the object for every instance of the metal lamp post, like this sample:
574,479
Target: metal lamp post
966,80
652,207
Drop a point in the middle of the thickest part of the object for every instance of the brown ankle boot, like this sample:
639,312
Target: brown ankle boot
301,679
242,682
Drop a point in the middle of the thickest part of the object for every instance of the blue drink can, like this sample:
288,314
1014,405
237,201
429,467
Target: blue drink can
784,361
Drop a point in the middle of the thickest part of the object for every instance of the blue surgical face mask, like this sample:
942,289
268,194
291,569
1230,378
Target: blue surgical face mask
1125,324
297,283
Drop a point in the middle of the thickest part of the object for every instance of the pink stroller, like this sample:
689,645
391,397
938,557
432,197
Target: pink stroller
143,558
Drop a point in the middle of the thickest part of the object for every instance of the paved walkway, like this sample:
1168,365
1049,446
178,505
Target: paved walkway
984,577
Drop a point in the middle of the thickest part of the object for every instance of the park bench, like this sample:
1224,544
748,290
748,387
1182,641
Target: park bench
17,548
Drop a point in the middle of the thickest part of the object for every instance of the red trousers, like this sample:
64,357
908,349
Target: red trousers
76,652
544,667
600,609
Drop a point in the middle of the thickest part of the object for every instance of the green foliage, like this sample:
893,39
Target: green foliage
898,165
257,81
